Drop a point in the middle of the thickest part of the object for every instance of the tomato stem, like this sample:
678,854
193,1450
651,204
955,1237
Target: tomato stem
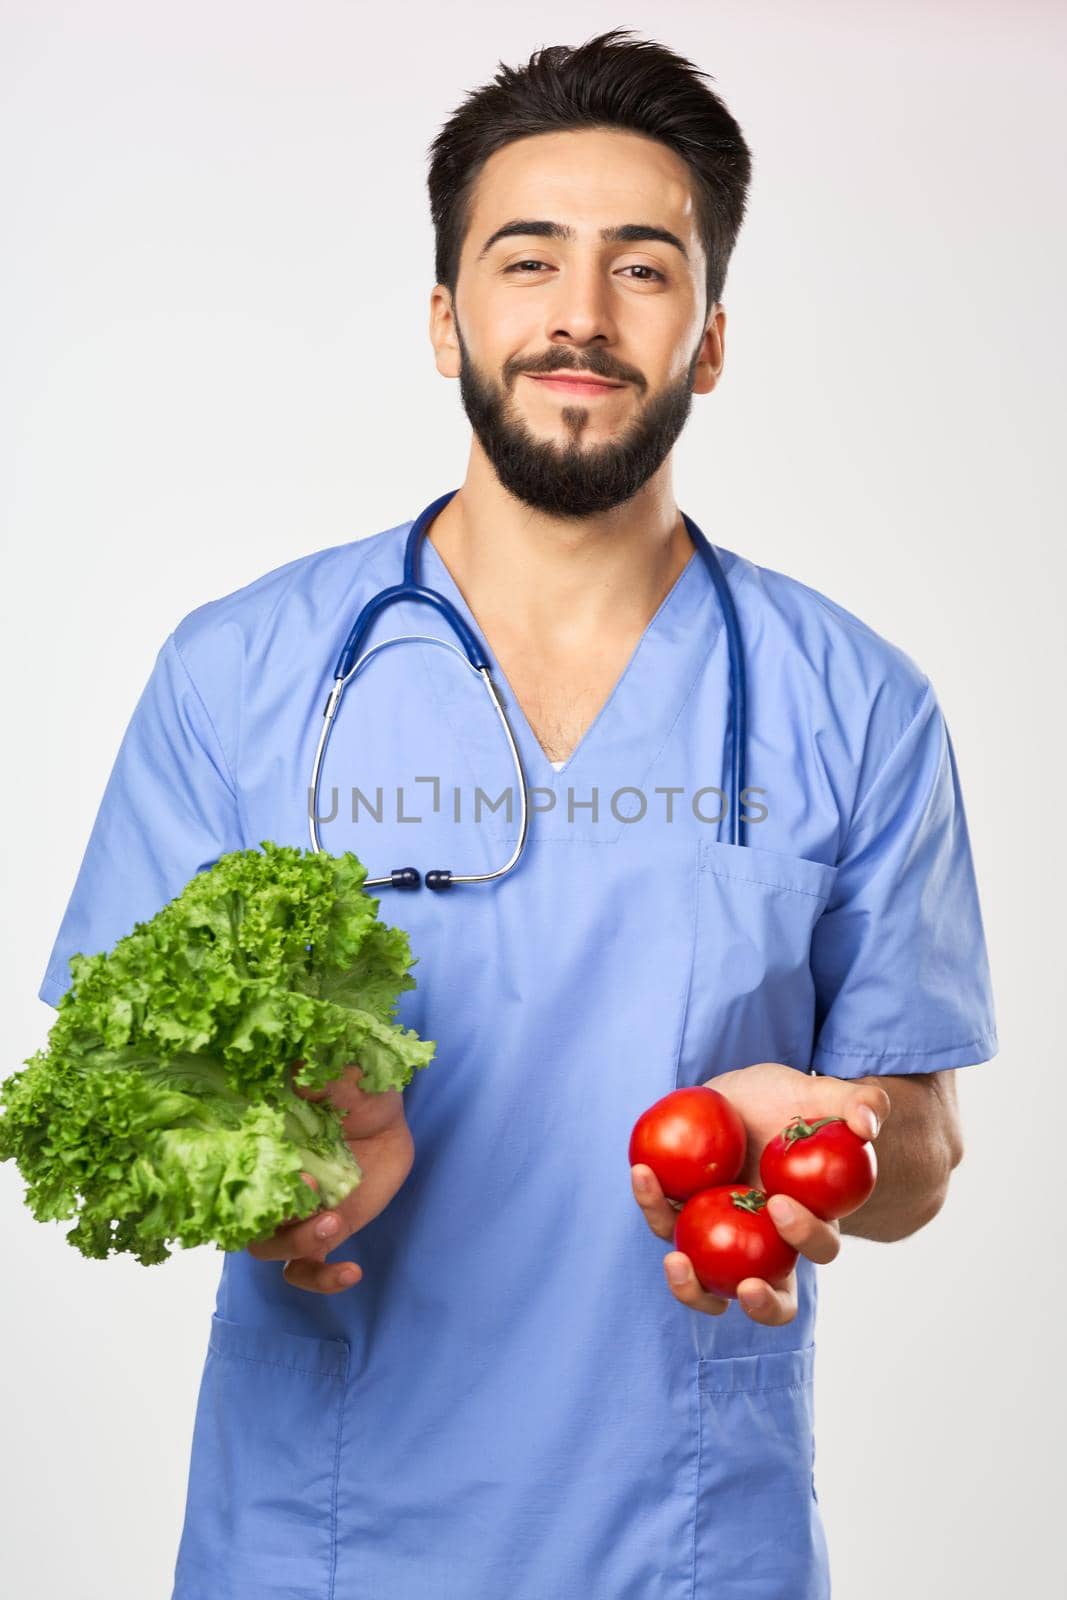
799,1129
754,1200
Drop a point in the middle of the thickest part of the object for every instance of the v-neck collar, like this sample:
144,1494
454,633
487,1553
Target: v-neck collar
621,745
436,575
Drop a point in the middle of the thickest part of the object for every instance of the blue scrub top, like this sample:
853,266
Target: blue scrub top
511,1402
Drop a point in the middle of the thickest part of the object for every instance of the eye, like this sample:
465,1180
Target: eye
636,266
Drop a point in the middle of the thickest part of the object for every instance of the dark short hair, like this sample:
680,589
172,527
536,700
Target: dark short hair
610,81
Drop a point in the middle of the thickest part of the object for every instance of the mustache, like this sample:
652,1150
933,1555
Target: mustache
595,364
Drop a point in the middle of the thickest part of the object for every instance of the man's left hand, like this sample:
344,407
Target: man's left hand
767,1095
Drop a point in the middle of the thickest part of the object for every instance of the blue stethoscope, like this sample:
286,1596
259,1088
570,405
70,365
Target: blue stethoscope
476,658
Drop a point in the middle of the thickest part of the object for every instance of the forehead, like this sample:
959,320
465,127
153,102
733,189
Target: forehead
587,177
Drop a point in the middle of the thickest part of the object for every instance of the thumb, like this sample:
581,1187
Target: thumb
861,1102
865,1106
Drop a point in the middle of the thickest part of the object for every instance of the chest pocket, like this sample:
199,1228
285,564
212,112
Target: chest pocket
751,992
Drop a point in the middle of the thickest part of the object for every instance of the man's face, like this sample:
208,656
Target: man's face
631,311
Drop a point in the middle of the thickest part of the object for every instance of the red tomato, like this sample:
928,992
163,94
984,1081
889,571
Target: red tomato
728,1235
692,1139
823,1164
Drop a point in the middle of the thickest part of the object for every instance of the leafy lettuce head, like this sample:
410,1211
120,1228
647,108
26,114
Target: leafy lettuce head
163,1108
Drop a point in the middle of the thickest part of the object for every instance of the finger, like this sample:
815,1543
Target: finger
298,1088
866,1109
660,1213
319,1277
818,1240
300,1236
313,1237
689,1289
763,1303
362,1114
864,1106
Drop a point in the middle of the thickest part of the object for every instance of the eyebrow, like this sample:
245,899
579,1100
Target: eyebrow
625,233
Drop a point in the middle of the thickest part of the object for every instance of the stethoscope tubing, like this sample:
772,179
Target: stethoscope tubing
738,686
473,655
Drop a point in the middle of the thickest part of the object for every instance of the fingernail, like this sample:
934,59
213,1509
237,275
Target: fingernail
780,1209
870,1121
677,1271
751,1302
642,1183
326,1228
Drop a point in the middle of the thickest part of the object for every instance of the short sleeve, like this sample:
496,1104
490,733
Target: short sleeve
898,956
169,810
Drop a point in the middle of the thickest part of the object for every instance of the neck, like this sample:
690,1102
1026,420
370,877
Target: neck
553,583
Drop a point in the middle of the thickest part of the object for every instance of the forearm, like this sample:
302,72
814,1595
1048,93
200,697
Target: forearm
916,1155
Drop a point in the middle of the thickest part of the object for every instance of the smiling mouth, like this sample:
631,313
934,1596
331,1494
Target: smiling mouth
568,384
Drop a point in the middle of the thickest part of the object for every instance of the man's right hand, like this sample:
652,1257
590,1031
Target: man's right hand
376,1131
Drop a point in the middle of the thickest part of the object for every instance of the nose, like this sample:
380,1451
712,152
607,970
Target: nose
579,308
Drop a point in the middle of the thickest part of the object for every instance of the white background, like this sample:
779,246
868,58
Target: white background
216,271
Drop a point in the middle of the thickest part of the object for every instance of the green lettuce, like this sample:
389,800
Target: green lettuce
163,1109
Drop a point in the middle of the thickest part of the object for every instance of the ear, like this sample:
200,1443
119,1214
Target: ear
712,353
443,335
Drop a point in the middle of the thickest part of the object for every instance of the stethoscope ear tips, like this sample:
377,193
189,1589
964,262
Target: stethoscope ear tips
410,878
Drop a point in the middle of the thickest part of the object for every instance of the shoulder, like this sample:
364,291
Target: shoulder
249,646
834,693
303,594
818,641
